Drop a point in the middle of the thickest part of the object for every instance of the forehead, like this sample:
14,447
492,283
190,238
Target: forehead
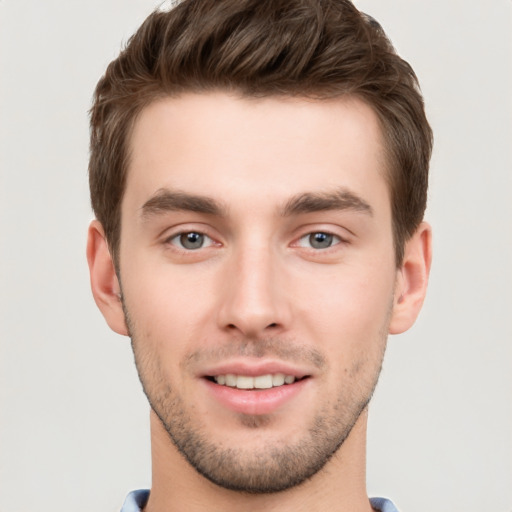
248,149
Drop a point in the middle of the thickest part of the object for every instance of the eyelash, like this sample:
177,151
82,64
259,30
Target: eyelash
177,241
334,239
178,237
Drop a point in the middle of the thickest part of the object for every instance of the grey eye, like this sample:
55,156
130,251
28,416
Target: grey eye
191,241
319,240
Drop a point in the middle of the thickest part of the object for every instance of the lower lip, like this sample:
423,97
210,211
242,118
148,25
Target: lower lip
257,401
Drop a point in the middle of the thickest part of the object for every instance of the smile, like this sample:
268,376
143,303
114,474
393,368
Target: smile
259,382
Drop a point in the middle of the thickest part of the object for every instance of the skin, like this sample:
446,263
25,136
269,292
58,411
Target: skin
258,177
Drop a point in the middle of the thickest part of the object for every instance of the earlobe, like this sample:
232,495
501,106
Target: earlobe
412,280
104,283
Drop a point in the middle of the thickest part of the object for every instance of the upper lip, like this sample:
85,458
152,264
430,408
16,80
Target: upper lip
255,368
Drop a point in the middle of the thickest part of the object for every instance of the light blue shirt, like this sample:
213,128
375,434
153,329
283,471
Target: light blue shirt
137,499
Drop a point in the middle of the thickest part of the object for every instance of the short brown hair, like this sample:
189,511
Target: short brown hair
308,48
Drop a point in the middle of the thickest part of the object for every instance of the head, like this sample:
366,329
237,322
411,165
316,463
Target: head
297,48
259,172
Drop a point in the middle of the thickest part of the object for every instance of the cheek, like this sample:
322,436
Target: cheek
348,310
168,304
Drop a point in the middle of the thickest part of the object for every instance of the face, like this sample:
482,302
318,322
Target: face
258,278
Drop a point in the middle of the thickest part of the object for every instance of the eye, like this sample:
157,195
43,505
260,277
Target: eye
191,240
319,240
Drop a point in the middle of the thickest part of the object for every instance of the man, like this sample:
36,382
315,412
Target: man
258,172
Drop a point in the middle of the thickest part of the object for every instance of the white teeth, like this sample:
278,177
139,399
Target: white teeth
278,379
263,382
230,380
243,382
260,382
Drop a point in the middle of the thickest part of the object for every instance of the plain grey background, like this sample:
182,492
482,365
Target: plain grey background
73,420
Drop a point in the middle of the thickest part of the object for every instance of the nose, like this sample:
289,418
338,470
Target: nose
253,301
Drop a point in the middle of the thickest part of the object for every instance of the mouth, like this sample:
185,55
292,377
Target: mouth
249,382
255,388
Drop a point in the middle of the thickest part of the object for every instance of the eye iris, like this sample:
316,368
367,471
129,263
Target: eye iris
320,240
192,240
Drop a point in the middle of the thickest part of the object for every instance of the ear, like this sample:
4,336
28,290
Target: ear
104,283
412,280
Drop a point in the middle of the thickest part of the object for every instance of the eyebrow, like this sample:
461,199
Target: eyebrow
165,200
340,199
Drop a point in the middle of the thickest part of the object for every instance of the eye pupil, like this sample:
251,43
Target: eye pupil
320,240
192,240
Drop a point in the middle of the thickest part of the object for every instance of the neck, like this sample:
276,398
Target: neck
339,486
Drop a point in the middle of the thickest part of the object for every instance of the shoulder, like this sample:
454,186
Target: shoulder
135,501
383,505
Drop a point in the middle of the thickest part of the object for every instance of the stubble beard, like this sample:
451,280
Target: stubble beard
275,467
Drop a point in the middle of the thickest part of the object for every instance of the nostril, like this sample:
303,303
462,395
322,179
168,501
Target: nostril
249,329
